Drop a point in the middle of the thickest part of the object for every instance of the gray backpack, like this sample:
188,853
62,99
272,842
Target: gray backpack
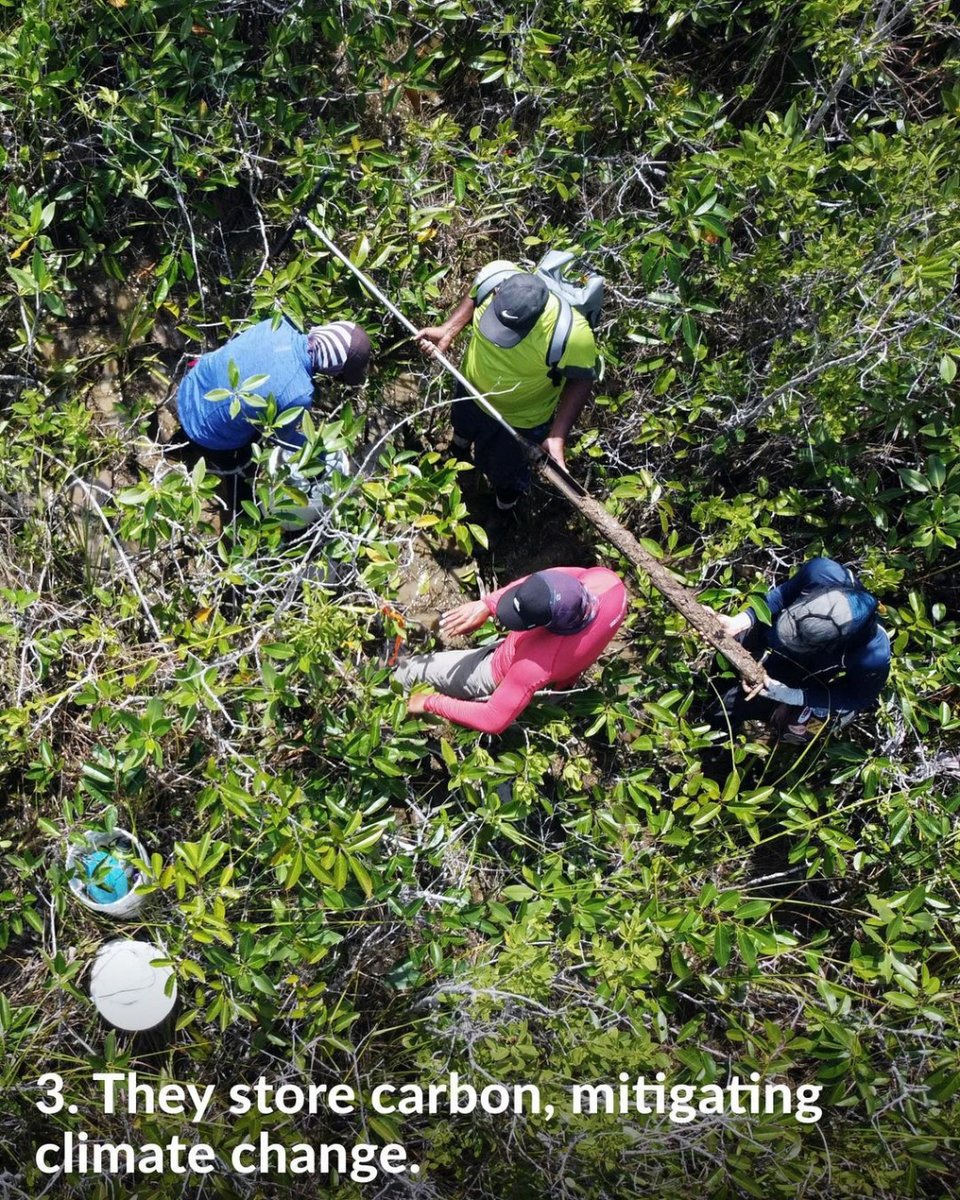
825,619
585,296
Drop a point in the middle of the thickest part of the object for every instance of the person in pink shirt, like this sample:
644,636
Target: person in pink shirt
560,620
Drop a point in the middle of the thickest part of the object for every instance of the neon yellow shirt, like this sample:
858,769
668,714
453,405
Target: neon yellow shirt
517,382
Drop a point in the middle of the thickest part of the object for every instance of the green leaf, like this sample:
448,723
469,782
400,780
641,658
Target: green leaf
759,606
901,1000
517,891
33,919
263,984
936,471
914,480
747,947
252,383
135,496
361,251
664,380
721,945
361,875
96,774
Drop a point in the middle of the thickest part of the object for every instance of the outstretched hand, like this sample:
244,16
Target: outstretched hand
464,619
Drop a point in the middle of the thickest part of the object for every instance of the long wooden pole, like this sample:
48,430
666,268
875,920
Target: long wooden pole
684,599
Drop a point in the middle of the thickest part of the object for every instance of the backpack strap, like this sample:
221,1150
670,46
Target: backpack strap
491,283
559,338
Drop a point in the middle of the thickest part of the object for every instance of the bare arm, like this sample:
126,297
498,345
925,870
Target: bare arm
442,336
574,396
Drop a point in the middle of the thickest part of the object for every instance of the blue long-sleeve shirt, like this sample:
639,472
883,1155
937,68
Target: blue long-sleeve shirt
280,353
848,679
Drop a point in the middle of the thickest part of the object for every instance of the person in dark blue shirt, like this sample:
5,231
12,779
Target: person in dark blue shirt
825,655
289,359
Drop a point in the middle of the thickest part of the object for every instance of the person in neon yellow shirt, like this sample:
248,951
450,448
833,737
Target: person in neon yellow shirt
506,360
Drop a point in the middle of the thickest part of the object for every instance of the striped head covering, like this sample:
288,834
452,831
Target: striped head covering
340,348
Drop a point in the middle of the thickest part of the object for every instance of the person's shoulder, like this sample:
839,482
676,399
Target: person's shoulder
259,334
872,656
879,648
600,580
600,572
581,326
499,266
264,325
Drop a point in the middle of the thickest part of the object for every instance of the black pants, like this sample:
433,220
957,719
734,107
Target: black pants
495,452
735,706
231,466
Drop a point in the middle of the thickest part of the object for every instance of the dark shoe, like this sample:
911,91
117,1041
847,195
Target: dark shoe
507,500
501,527
803,735
784,719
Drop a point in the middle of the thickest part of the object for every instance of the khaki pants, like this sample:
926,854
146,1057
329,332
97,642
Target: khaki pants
463,674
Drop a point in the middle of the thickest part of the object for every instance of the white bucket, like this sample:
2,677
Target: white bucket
127,990
118,847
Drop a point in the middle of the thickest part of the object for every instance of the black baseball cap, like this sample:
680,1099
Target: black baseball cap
514,310
551,599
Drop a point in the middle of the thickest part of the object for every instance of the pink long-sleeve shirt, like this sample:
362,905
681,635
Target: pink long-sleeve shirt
526,662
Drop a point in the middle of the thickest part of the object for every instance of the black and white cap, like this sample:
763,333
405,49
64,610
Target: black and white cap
552,600
340,348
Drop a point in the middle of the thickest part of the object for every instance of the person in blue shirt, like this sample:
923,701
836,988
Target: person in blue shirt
825,655
289,359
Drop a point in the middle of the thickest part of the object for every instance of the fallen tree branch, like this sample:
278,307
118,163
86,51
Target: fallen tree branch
702,619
